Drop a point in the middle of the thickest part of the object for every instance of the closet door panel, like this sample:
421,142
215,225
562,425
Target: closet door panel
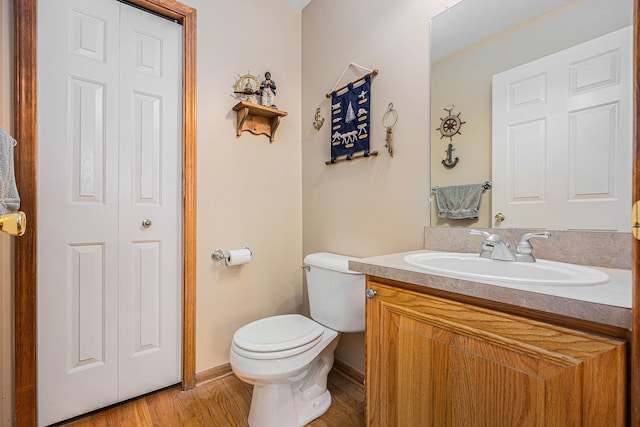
150,203
78,200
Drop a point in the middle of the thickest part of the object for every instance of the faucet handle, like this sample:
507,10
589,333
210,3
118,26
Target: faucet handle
524,246
484,234
524,249
485,248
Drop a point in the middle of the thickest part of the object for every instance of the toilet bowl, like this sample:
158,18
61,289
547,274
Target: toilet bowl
287,358
289,385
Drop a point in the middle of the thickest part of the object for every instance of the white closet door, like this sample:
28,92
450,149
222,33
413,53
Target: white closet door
78,203
562,138
109,290
150,189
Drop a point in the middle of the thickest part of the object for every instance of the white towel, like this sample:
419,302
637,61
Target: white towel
9,198
458,201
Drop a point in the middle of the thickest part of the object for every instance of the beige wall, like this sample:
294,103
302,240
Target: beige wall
6,246
249,191
464,79
377,205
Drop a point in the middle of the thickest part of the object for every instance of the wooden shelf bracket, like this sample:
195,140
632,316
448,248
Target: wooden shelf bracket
257,119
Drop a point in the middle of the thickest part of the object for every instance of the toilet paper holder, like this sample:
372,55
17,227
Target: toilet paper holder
219,254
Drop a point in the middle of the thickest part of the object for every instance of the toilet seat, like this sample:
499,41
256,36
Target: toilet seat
277,337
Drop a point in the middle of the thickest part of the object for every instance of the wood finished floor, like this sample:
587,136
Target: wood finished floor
223,402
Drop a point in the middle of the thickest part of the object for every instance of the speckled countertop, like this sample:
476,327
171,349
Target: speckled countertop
608,304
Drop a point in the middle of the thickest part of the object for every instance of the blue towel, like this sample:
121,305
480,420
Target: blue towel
458,201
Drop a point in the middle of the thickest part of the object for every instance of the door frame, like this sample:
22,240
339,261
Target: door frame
25,106
634,363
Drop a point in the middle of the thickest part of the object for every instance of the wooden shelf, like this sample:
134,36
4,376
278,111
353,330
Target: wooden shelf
258,119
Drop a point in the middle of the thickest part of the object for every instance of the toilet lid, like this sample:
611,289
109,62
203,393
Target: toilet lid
278,333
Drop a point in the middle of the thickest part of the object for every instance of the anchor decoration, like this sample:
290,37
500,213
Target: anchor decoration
450,126
318,120
448,162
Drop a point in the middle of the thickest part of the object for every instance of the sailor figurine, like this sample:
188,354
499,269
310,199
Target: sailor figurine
268,91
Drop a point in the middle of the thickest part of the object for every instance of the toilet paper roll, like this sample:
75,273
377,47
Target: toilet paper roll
238,256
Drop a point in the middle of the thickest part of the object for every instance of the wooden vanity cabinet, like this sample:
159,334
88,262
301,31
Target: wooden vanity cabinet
436,362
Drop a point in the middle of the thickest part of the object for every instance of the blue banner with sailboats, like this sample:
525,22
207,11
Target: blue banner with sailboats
350,114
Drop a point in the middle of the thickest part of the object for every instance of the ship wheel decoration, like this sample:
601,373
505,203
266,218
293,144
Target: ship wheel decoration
451,124
449,127
247,85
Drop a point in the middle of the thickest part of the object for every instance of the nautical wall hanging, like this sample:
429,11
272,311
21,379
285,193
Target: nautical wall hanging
450,126
350,118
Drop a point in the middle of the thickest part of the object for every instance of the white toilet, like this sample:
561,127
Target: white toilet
287,358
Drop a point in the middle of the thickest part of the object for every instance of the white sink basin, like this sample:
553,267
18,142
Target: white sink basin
483,270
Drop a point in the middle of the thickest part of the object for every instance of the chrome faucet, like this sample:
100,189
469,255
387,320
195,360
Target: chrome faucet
493,247
485,251
524,249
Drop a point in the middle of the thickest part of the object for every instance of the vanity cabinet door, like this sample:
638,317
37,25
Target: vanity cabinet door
435,362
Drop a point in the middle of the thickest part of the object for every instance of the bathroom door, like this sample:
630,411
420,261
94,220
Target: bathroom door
563,137
109,255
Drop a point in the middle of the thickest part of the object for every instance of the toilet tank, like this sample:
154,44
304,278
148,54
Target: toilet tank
336,294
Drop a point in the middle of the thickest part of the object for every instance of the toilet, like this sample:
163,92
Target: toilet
287,358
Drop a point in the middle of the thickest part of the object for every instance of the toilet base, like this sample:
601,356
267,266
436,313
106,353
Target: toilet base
290,411
297,400
314,409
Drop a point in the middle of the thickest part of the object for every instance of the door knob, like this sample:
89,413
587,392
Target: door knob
371,293
146,223
499,217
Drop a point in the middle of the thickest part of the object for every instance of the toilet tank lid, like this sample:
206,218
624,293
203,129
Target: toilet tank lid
330,261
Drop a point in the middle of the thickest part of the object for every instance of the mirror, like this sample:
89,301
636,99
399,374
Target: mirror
472,41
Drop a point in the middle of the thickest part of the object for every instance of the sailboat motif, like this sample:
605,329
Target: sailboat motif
351,115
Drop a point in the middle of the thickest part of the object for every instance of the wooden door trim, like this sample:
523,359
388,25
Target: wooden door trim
634,352
25,105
